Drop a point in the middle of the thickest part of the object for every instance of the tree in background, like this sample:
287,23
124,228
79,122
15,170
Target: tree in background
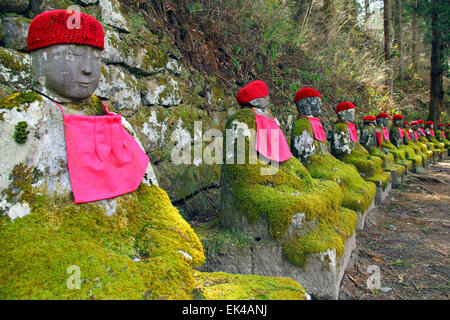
387,18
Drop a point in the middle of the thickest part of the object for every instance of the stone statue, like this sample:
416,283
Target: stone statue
415,137
442,135
399,155
409,140
314,153
431,136
349,150
371,139
282,211
424,140
397,134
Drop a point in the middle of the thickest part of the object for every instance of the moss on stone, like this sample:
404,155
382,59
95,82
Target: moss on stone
21,132
11,62
358,194
223,286
19,100
58,234
330,235
289,191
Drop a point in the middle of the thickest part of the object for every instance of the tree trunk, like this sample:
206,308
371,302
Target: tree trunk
387,42
366,13
398,12
437,68
415,39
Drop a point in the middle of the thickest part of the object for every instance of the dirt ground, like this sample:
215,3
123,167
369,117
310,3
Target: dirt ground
407,239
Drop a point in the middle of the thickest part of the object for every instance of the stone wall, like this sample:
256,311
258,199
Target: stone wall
143,78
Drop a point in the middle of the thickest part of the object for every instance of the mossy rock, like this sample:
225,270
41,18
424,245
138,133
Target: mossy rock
224,286
38,248
19,100
358,194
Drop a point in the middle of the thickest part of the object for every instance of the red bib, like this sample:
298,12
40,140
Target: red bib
270,140
408,134
443,134
104,160
432,132
422,132
319,133
379,138
353,133
400,130
385,134
416,135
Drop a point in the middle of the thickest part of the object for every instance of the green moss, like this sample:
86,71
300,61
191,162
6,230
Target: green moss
21,132
277,197
223,286
358,194
20,99
58,234
327,236
11,62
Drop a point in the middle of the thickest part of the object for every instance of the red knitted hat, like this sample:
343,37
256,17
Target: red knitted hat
420,121
429,122
253,90
413,123
306,92
369,118
441,125
405,122
383,115
54,27
398,117
344,106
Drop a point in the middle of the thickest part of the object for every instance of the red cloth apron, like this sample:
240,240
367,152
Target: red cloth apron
408,134
416,135
422,132
353,133
443,135
104,160
379,138
270,140
432,132
385,134
400,131
319,132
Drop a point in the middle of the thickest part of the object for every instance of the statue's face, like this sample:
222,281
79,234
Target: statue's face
398,122
421,125
71,71
430,126
260,102
441,128
414,127
347,115
368,123
383,122
310,107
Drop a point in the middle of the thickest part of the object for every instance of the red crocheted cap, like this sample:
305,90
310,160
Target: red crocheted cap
383,115
306,92
413,123
369,118
398,117
344,106
253,90
441,125
54,27
420,121
405,122
429,122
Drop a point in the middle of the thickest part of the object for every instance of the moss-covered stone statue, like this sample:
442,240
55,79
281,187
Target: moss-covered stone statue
441,135
409,140
399,155
397,135
346,147
371,139
415,135
431,136
309,145
424,140
299,227
133,246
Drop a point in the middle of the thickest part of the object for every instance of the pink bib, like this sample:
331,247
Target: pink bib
416,135
319,133
408,134
379,138
270,140
104,160
432,132
353,133
422,132
400,130
385,134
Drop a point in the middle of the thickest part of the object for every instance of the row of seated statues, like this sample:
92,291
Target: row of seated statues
320,195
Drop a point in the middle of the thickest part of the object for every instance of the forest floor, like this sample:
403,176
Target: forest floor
407,239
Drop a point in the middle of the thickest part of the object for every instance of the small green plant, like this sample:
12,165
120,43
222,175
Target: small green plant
21,133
